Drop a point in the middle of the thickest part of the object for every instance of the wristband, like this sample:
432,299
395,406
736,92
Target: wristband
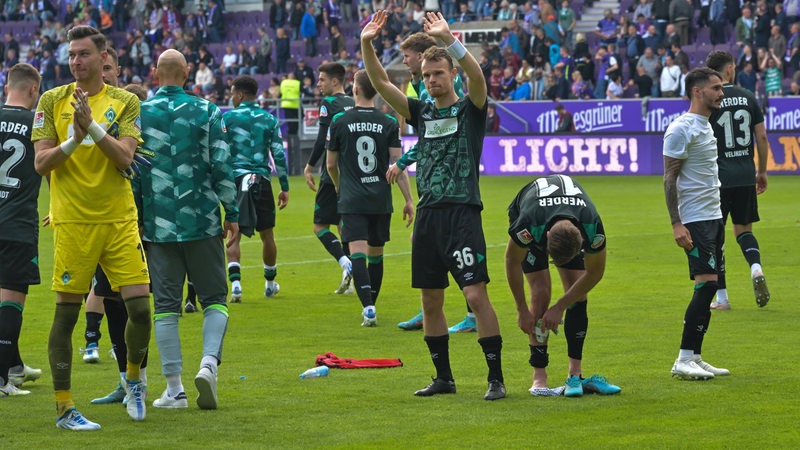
69,146
456,50
96,132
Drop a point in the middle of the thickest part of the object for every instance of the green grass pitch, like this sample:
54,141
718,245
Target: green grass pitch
635,319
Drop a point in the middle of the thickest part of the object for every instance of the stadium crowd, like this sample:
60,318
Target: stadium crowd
643,49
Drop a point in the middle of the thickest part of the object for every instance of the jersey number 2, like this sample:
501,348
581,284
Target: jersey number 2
18,152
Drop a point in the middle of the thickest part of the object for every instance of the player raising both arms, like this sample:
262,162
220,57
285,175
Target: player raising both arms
448,233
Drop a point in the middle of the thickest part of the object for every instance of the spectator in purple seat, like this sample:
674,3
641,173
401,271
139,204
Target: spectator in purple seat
718,22
567,19
337,41
747,78
278,14
772,68
651,64
777,41
642,81
204,79
670,81
296,18
508,83
608,63
794,87
793,48
550,27
633,46
246,59
302,71
651,38
745,28
229,65
581,89
215,23
504,12
204,56
308,30
779,18
745,57
643,8
511,59
680,57
607,27
614,90
792,9
538,45
282,50
761,30
671,36
642,25
680,15
331,13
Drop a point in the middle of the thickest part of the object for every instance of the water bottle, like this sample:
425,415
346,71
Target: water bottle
316,372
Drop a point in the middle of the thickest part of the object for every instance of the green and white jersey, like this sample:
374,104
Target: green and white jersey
330,106
410,157
191,171
254,134
19,182
363,137
734,127
449,148
546,200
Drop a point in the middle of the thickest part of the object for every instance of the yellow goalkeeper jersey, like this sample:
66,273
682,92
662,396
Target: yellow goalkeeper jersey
87,188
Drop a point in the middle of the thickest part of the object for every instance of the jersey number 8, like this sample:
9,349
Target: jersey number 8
365,146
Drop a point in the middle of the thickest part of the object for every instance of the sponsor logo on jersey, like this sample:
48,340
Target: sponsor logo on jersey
38,119
598,241
323,111
110,115
66,116
441,127
525,237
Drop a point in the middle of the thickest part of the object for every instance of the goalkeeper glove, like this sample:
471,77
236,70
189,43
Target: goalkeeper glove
141,158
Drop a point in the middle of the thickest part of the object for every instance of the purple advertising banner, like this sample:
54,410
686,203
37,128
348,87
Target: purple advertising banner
602,154
629,116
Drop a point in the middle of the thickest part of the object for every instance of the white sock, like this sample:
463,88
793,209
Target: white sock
696,357
722,296
685,355
236,284
143,375
233,264
344,262
174,385
210,362
369,308
755,269
471,315
122,377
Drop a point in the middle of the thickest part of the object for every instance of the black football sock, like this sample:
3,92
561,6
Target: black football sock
750,249
492,346
270,272
576,322
375,269
117,318
331,243
440,355
361,279
695,321
92,333
10,326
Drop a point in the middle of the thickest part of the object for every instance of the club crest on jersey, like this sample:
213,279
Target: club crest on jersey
525,237
224,128
323,111
38,119
110,115
598,241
